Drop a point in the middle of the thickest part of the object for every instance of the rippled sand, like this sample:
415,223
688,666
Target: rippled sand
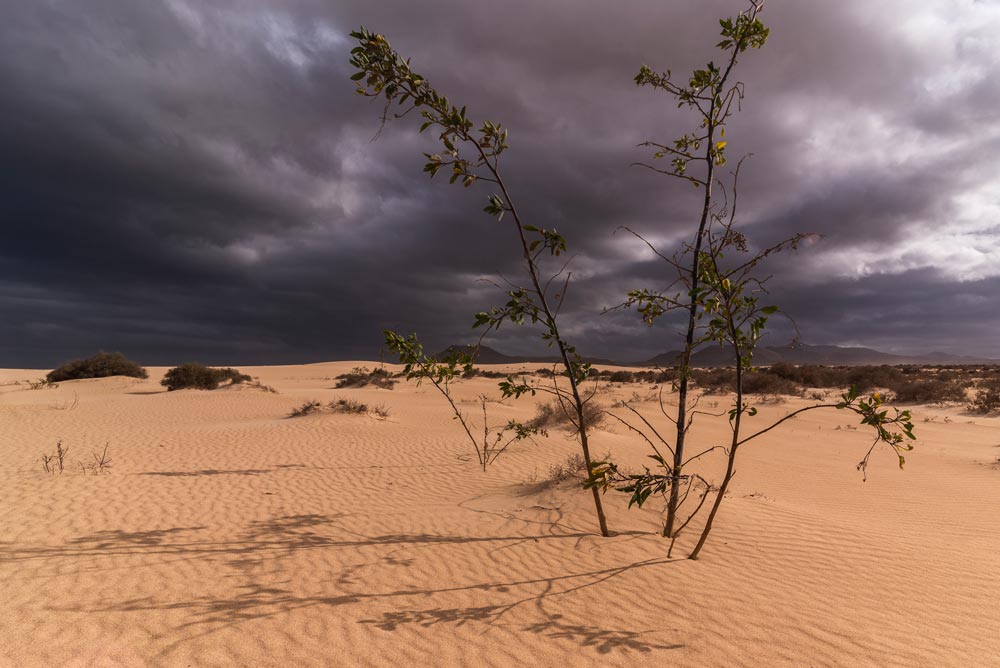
228,535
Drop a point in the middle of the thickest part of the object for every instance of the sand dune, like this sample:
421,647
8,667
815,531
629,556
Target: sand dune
228,535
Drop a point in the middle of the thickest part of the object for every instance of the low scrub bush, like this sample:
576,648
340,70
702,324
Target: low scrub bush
765,382
573,468
552,414
484,373
655,376
101,365
351,406
201,377
306,408
928,391
361,376
987,399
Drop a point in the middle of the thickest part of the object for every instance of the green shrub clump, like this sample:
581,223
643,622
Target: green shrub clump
101,365
201,377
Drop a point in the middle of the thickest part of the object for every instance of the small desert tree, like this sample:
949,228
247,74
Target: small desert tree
472,154
719,297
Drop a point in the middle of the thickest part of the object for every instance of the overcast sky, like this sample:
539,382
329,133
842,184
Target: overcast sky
194,179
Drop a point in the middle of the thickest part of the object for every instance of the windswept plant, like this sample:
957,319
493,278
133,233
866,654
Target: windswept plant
489,441
471,153
720,298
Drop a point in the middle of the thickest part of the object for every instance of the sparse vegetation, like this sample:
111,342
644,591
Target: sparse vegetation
555,414
99,465
469,155
350,406
306,408
342,405
929,391
713,284
257,384
54,462
101,365
987,398
361,376
572,468
200,377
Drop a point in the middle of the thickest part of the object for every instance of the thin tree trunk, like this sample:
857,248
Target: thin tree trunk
682,391
550,321
730,464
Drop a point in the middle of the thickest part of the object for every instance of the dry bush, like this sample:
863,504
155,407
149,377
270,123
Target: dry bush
655,376
306,409
379,412
51,463
101,365
261,386
987,399
361,376
551,414
99,464
572,468
714,381
351,406
764,382
929,391
201,377
485,373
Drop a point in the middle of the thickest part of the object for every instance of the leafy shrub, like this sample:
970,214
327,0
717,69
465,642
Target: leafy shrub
360,376
201,377
101,365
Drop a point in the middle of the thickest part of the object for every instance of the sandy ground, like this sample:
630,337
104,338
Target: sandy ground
228,535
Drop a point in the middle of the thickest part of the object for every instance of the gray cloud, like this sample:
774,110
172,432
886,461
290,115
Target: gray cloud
196,180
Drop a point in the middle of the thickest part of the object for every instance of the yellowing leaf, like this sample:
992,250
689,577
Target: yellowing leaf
720,145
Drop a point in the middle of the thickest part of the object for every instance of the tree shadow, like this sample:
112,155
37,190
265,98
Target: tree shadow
553,625
107,539
604,641
203,472
264,541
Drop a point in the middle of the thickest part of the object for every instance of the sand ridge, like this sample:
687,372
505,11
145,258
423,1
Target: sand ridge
228,535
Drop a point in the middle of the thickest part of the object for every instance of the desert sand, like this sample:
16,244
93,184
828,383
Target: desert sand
226,534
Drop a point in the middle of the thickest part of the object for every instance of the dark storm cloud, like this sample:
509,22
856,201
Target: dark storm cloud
195,180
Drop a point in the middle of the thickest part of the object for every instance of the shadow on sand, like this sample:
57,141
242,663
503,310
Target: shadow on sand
264,541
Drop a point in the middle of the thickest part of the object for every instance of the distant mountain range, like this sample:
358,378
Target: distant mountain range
764,356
